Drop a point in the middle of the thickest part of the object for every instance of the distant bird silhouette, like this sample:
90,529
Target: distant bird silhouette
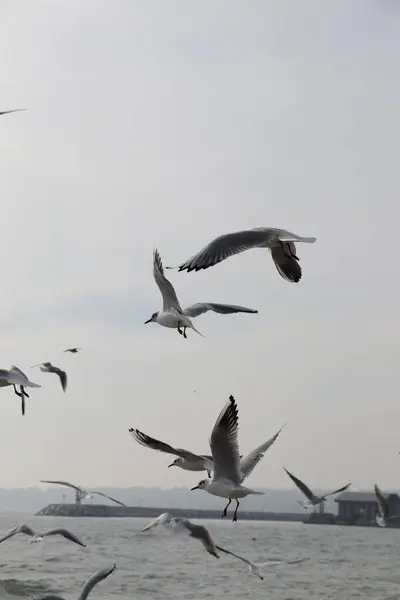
313,500
38,537
73,350
47,367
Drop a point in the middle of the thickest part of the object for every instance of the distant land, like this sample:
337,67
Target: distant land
35,498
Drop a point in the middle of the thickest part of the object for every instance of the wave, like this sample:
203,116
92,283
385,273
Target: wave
16,588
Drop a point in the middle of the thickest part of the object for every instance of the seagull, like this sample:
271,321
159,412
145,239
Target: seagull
47,367
312,498
202,462
280,242
73,350
38,537
198,532
382,516
186,460
172,315
87,588
227,477
6,112
82,493
14,377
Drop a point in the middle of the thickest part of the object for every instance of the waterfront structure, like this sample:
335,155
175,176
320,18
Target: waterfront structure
360,508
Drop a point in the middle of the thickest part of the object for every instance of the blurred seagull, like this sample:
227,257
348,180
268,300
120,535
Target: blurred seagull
83,494
382,516
6,112
14,377
227,477
280,242
313,500
172,315
198,532
73,350
47,367
38,537
186,460
87,588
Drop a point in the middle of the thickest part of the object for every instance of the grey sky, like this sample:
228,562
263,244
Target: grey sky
168,123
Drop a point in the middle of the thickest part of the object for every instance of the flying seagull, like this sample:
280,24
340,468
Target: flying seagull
172,314
6,112
227,477
198,532
16,377
81,492
202,462
280,242
73,350
87,588
382,515
311,497
186,460
47,367
38,537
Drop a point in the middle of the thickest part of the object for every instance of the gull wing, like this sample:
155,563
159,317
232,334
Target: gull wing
18,377
342,489
223,309
224,443
62,375
163,519
286,261
170,299
198,532
302,486
71,485
19,529
149,442
109,497
249,462
6,112
383,508
65,533
253,568
89,585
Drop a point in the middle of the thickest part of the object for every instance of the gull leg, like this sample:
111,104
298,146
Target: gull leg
236,509
225,509
184,332
179,329
209,474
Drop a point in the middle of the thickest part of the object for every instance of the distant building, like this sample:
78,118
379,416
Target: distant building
361,508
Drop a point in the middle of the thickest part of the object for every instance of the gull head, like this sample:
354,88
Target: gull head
178,462
153,318
202,485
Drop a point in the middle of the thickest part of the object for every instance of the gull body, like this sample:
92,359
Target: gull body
47,367
83,494
313,500
38,537
173,315
227,477
280,242
16,377
87,588
188,461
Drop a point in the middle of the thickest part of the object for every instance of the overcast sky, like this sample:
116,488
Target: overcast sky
169,123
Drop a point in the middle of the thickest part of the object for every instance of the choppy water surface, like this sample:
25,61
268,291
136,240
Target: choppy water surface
345,563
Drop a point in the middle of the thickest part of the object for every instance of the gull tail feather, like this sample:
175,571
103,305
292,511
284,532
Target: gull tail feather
196,330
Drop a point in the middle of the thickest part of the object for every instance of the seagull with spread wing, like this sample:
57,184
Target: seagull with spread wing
80,491
47,367
38,537
173,315
87,588
280,242
313,500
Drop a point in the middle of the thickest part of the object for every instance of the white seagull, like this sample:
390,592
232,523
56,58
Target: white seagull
382,515
172,314
313,500
87,588
280,242
227,477
38,537
6,112
83,494
186,460
202,462
198,532
47,367
16,377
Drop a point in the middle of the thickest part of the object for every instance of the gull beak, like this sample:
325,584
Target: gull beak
149,321
196,487
171,465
